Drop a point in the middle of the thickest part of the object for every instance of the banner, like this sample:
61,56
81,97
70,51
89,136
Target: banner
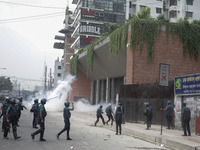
187,85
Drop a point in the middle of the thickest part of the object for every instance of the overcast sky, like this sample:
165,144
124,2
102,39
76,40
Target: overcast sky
26,45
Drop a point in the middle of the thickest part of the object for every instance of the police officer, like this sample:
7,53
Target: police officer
66,115
20,108
122,109
148,113
169,113
185,118
42,115
11,117
4,107
99,115
35,110
109,113
118,119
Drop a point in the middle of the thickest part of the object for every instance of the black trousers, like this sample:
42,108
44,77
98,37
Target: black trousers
186,127
148,121
110,117
118,125
41,130
169,121
66,128
34,124
13,122
98,120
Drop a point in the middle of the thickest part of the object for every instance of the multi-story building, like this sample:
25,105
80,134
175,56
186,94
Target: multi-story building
58,71
172,9
92,19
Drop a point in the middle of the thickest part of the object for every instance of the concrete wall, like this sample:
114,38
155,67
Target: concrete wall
80,88
139,71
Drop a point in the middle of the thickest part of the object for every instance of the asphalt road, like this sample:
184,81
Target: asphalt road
84,136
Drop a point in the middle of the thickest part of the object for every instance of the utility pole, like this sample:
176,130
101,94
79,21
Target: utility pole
50,79
45,78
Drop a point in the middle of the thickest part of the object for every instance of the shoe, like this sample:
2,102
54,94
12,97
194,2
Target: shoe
6,138
35,127
168,128
116,133
57,136
43,140
147,129
184,135
189,134
32,136
18,137
18,125
69,139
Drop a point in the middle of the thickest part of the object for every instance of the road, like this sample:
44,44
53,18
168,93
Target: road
85,136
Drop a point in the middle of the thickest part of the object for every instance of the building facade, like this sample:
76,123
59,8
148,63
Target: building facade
172,9
58,71
92,19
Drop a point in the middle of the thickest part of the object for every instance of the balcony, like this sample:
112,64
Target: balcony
173,8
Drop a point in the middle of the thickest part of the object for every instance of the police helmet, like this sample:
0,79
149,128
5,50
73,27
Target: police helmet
101,106
120,104
168,102
12,101
36,100
7,98
17,101
20,99
109,104
147,104
43,101
66,104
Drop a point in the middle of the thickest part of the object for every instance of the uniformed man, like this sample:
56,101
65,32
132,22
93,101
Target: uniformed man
99,115
66,115
118,119
169,113
148,113
20,108
4,107
185,118
109,113
35,110
11,117
42,115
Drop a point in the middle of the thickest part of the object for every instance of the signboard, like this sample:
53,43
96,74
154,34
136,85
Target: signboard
164,75
187,85
84,41
91,28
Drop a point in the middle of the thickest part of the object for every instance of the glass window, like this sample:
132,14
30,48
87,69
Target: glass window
59,67
59,74
189,14
142,7
158,10
189,2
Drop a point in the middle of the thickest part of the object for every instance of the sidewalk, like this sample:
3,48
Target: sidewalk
170,138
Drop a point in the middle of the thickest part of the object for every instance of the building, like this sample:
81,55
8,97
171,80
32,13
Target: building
92,19
172,9
58,71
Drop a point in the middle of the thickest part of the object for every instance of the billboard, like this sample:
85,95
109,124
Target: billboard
85,41
187,85
91,28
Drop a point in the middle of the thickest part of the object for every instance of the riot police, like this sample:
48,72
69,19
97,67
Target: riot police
35,110
149,115
11,117
41,120
4,107
66,115
118,119
20,107
109,113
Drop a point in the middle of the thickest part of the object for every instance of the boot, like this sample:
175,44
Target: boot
41,136
15,135
68,138
5,134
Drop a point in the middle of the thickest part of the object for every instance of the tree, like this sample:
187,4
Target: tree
5,84
145,13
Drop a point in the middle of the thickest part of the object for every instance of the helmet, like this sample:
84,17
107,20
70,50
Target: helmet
147,104
66,104
43,101
12,101
20,99
101,106
7,98
168,102
36,100
17,101
109,104
120,104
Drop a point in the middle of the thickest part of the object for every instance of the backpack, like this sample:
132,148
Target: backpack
170,110
118,115
108,110
98,112
149,112
186,114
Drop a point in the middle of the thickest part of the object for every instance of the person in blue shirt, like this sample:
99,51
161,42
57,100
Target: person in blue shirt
99,115
118,119
35,110
185,118
42,115
66,115
11,117
149,115
109,113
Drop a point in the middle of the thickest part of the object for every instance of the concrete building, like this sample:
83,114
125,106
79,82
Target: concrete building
92,19
58,71
172,9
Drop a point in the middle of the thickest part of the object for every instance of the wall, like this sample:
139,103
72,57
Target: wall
80,88
140,71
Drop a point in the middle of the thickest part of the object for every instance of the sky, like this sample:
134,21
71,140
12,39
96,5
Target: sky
26,44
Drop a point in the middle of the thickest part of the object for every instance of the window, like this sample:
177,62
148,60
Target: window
189,2
189,14
59,74
130,3
59,67
158,10
142,7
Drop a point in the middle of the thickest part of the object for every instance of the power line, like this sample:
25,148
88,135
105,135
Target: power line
32,5
31,17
